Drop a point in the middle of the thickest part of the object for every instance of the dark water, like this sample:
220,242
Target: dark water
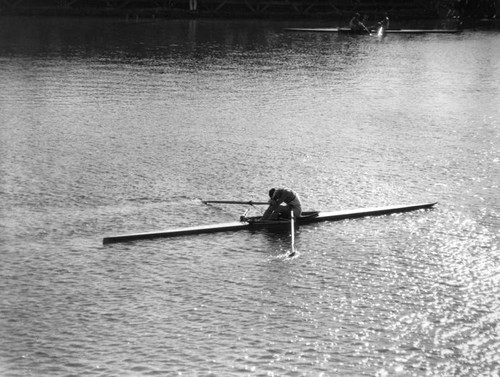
111,127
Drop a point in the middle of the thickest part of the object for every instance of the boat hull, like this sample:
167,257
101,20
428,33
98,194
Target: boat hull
386,31
308,218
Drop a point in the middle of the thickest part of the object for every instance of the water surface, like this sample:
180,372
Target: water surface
110,127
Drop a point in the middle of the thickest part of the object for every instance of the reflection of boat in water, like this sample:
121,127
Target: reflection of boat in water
252,223
347,30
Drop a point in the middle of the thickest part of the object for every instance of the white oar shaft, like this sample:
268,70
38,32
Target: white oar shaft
292,222
249,202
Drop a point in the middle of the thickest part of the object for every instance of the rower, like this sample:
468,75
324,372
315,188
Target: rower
281,203
384,22
355,24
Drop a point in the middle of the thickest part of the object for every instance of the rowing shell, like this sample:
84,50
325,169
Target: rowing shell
253,223
386,31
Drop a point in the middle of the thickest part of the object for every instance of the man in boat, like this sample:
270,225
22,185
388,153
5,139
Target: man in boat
281,203
355,24
384,22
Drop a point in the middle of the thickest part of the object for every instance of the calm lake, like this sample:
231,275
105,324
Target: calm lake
111,126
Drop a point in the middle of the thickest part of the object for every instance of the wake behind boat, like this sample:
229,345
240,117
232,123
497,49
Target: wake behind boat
250,223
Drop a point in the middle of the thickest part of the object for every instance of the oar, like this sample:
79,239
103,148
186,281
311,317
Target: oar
292,221
250,202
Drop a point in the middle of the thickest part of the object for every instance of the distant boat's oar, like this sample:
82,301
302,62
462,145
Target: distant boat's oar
250,202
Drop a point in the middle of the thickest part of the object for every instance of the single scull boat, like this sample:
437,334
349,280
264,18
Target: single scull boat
250,223
342,30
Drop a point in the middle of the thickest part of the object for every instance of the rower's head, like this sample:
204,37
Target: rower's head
271,192
357,15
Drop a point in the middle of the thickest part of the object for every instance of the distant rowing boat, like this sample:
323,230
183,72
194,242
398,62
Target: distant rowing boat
254,223
364,32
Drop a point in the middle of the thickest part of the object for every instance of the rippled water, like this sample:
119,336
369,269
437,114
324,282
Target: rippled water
112,127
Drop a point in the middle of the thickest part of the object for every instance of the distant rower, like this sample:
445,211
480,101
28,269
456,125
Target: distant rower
384,22
355,24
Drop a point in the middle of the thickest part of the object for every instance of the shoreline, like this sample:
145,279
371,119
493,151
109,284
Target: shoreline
223,9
